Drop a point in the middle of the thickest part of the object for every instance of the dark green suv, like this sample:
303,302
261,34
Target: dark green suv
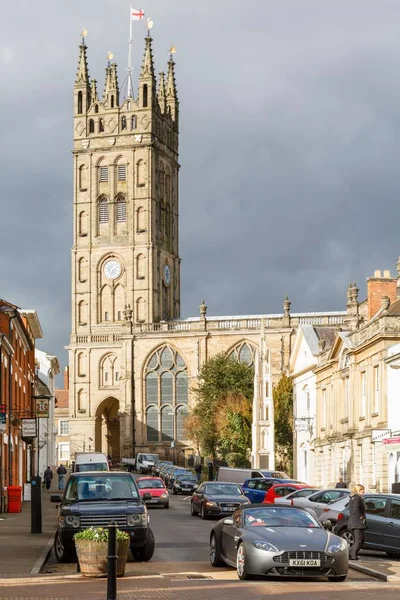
94,499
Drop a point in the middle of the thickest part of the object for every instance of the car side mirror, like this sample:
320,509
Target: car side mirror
55,498
146,496
228,521
327,524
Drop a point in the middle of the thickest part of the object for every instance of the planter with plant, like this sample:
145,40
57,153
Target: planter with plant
92,549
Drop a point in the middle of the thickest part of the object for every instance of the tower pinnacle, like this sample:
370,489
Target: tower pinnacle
82,76
172,94
162,101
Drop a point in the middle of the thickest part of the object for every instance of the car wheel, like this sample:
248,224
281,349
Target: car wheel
193,511
144,554
174,491
241,563
202,512
63,553
347,535
166,505
339,578
214,552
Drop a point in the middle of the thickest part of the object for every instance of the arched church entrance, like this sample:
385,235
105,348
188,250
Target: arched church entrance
107,436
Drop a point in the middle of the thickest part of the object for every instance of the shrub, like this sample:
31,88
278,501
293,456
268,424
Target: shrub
98,534
234,459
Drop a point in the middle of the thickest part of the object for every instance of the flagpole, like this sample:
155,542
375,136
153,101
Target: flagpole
130,56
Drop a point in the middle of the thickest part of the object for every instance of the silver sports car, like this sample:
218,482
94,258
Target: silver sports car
275,540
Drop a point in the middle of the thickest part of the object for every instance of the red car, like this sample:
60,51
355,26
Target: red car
282,489
156,487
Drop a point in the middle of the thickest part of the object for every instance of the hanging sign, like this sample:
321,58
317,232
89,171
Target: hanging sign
42,408
28,428
2,417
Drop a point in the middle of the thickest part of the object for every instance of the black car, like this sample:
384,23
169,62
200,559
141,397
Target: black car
173,474
383,523
159,464
186,483
216,499
94,499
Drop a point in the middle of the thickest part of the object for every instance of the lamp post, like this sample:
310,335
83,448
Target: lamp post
36,490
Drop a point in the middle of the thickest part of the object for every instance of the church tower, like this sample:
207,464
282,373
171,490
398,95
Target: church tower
125,256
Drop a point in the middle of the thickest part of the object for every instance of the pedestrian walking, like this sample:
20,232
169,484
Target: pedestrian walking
61,472
48,476
357,520
198,468
340,483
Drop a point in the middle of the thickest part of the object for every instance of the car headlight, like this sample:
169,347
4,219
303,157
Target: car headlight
337,547
73,520
164,495
209,503
265,546
177,485
137,520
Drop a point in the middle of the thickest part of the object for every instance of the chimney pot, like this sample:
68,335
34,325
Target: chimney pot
377,274
386,274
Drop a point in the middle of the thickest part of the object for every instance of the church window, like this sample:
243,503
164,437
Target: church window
106,376
103,210
166,393
123,123
96,108
91,126
152,424
103,173
129,105
101,125
121,209
112,101
109,369
80,103
121,172
133,122
244,353
145,95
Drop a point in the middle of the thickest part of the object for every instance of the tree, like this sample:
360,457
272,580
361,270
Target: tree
233,420
283,409
220,376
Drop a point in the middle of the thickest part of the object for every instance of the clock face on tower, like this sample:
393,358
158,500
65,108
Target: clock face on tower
167,275
112,269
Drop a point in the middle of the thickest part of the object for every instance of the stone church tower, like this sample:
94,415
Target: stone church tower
125,261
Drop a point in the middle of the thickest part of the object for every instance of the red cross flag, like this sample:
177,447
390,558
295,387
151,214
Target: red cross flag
136,15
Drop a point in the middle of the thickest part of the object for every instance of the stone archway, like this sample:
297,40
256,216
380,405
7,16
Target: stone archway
107,429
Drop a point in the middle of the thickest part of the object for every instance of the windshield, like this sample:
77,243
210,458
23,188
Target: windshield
153,484
83,467
279,517
94,488
223,489
186,477
151,457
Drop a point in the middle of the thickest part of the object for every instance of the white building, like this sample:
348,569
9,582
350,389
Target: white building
392,444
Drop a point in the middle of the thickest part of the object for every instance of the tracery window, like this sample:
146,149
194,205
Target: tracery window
166,395
244,353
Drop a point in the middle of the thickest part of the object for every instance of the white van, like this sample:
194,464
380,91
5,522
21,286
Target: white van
90,461
235,475
145,462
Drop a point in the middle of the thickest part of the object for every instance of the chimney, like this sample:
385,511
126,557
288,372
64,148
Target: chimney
378,286
66,378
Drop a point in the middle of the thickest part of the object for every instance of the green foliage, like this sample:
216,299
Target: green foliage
283,409
234,459
99,534
219,377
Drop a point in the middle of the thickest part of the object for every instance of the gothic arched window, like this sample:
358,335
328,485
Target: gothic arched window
123,123
121,209
91,126
145,95
244,353
101,125
166,394
103,210
80,103
109,371
133,122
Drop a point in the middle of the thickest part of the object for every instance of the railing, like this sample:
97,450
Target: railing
104,338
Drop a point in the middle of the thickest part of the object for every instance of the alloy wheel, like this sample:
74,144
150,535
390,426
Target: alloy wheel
348,536
241,562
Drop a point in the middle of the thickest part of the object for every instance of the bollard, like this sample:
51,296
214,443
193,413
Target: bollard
112,562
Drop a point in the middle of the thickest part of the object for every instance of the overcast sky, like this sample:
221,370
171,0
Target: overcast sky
289,146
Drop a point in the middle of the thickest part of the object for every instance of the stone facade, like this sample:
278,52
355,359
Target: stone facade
133,362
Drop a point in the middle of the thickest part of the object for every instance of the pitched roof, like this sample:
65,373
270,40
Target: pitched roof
61,398
394,309
326,333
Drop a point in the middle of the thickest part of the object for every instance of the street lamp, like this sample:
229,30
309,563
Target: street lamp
36,491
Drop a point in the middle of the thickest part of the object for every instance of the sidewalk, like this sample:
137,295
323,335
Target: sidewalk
384,569
21,552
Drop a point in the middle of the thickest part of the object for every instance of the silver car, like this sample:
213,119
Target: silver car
320,500
279,541
290,498
331,511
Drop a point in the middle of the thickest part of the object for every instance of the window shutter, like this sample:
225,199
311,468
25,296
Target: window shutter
103,211
103,173
121,211
121,172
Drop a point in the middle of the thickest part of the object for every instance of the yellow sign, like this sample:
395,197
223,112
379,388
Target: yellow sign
42,408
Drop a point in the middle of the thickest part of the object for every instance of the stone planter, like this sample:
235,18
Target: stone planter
92,557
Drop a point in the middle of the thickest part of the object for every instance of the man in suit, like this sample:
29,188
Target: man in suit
357,520
340,483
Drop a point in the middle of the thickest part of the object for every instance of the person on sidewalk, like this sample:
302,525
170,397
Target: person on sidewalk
357,520
61,472
340,483
48,476
198,469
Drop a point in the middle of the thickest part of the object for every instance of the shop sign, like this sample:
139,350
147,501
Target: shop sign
42,408
28,428
379,435
3,417
393,440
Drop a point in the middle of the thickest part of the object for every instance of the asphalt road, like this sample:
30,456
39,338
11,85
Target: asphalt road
181,547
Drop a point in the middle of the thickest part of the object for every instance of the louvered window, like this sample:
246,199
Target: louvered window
103,173
121,172
121,210
103,211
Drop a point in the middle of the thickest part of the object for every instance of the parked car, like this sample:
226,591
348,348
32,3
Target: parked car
185,483
159,464
255,489
240,475
383,523
145,462
290,498
281,489
213,498
279,541
332,510
154,486
319,500
93,499
173,474
166,471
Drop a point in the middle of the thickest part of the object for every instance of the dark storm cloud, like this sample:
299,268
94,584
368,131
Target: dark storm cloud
289,146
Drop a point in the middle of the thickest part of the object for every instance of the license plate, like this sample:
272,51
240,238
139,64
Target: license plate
226,509
304,562
153,501
185,489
